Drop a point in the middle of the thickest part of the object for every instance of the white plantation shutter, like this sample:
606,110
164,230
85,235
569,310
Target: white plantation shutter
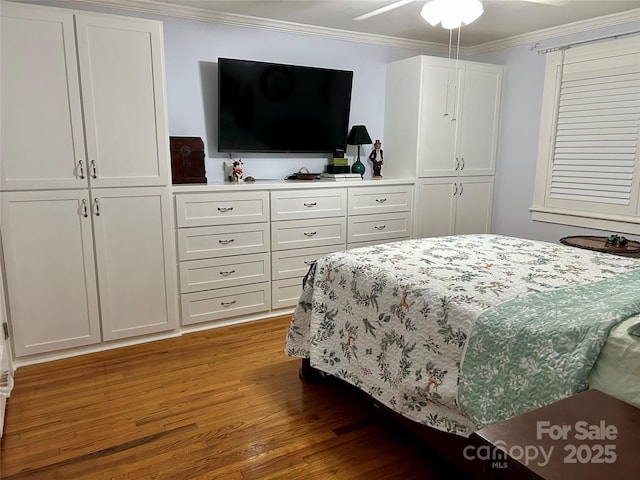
596,142
588,171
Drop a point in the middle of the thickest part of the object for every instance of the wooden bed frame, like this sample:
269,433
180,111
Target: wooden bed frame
447,445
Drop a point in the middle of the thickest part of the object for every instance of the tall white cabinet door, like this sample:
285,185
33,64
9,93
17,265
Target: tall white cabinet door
435,207
438,121
136,262
41,121
480,113
474,204
48,254
122,78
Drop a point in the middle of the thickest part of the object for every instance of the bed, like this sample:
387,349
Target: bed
463,331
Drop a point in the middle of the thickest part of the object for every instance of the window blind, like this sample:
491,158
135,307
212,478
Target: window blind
596,137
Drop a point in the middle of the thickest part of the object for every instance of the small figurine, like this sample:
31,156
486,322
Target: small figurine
376,158
237,171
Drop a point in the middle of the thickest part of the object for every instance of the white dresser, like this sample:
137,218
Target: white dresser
244,249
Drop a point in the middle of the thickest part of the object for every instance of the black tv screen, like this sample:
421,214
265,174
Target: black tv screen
269,107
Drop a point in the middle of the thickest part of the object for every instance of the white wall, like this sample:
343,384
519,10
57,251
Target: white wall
192,49
523,85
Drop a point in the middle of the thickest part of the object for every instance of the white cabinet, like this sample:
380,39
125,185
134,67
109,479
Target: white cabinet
63,291
441,120
50,268
454,206
114,78
83,112
223,252
306,224
135,261
379,215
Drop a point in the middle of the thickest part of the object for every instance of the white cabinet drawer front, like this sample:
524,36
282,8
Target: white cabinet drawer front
201,209
198,275
296,263
380,199
371,243
305,203
285,293
208,242
308,233
225,303
363,228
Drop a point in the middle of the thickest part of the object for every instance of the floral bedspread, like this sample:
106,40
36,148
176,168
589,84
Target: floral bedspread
393,319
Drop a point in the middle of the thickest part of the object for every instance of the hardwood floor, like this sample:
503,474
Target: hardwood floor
222,404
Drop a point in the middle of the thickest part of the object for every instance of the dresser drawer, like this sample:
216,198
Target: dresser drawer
225,303
224,208
208,242
296,263
380,199
308,233
285,293
308,203
198,275
371,243
364,228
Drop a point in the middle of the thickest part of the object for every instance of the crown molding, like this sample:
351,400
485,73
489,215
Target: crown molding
194,13
200,14
555,32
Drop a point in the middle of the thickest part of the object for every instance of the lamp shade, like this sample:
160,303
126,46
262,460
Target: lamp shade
359,136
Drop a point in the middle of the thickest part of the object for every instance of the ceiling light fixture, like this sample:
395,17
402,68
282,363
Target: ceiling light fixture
451,13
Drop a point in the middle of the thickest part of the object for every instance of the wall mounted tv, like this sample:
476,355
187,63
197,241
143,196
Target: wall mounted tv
269,107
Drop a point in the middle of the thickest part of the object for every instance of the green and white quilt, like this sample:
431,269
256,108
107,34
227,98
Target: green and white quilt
394,319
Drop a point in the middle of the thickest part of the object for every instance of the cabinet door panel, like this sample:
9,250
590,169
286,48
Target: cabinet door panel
480,112
123,97
48,253
41,124
438,121
435,207
474,205
136,261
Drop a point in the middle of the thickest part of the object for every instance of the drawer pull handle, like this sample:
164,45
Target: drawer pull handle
310,204
227,273
310,234
225,209
226,241
309,262
227,304
380,227
381,200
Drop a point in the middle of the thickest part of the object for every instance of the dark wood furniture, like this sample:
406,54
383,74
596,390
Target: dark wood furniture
599,244
611,449
187,160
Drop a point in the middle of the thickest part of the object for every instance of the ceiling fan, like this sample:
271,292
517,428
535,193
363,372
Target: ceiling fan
401,3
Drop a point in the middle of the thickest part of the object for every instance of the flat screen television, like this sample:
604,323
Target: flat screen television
270,107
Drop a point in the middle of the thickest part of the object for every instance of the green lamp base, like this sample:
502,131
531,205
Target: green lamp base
358,167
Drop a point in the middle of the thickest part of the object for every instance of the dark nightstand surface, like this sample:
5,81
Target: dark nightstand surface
612,428
599,244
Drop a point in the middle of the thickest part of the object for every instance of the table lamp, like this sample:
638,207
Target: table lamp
358,136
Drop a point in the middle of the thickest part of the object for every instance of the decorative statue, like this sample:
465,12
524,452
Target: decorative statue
376,158
236,172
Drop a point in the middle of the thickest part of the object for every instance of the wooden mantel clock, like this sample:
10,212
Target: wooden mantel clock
187,160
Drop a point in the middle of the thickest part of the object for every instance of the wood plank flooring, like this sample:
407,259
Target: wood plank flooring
222,404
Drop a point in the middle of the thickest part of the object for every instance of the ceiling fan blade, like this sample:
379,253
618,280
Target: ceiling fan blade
380,10
556,3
